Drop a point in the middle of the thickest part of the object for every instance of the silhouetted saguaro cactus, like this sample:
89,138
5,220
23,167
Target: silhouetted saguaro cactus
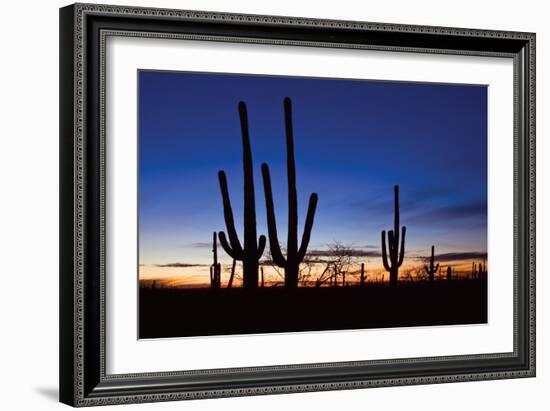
294,255
215,268
397,253
449,273
362,278
480,271
431,269
251,251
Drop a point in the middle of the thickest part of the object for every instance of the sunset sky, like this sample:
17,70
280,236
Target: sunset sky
354,140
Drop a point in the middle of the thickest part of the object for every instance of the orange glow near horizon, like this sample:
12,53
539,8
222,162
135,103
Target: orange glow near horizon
199,276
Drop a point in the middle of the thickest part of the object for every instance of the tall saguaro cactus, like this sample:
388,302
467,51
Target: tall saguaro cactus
397,251
215,268
251,251
432,269
294,255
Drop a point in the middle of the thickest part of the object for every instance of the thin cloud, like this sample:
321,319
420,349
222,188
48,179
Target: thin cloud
351,252
180,265
201,245
450,214
410,200
446,257
461,256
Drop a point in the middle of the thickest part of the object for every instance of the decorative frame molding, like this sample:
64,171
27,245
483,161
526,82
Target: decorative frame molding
83,32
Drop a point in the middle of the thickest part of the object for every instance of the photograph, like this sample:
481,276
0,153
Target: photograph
260,203
271,204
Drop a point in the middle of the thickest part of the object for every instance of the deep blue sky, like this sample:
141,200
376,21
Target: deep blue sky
354,139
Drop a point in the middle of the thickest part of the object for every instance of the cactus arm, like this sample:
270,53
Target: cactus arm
235,254
228,216
384,253
261,246
436,267
308,226
276,253
427,269
402,251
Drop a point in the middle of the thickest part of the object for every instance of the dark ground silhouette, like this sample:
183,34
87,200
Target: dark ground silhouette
172,312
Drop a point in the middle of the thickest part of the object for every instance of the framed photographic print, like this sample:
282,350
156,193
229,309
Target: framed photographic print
261,204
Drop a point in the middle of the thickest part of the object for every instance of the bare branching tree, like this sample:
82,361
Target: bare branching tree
408,275
335,266
420,273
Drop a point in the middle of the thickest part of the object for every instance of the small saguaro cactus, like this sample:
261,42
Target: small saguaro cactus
251,251
215,268
262,276
232,276
294,255
362,278
431,269
397,253
449,273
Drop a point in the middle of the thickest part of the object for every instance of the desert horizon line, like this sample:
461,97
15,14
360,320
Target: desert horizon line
352,276
442,257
